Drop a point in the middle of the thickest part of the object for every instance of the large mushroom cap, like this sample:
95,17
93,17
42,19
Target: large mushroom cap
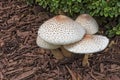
88,22
61,30
89,44
43,44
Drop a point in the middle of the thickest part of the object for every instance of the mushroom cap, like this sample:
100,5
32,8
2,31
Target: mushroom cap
89,44
88,22
43,44
61,30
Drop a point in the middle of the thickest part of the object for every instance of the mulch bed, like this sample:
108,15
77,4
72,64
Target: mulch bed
22,59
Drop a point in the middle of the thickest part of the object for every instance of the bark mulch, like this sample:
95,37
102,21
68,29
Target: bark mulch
22,59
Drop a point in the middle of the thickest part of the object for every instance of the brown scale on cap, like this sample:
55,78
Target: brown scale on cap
88,36
85,16
61,18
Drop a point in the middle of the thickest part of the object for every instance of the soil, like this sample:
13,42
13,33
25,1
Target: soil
22,59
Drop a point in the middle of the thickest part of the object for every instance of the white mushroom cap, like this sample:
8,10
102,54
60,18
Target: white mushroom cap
61,30
88,22
89,44
43,44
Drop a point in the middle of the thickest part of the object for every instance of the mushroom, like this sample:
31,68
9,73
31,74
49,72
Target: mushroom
90,25
61,30
88,22
54,48
89,44
43,44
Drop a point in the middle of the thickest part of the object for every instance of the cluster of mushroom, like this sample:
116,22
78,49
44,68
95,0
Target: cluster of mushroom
64,36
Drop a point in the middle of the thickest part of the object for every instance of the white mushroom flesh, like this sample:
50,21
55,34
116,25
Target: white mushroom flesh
89,44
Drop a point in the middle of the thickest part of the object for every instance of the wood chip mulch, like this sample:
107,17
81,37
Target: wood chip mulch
22,59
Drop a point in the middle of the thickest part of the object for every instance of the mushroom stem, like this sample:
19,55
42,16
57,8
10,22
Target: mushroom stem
85,61
57,54
66,53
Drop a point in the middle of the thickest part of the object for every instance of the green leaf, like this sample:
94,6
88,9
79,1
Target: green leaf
79,0
118,4
104,8
118,32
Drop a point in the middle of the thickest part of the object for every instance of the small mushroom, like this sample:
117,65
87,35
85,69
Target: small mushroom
91,26
88,22
61,30
54,48
89,44
43,44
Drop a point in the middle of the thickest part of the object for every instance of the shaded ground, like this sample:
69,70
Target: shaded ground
22,59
